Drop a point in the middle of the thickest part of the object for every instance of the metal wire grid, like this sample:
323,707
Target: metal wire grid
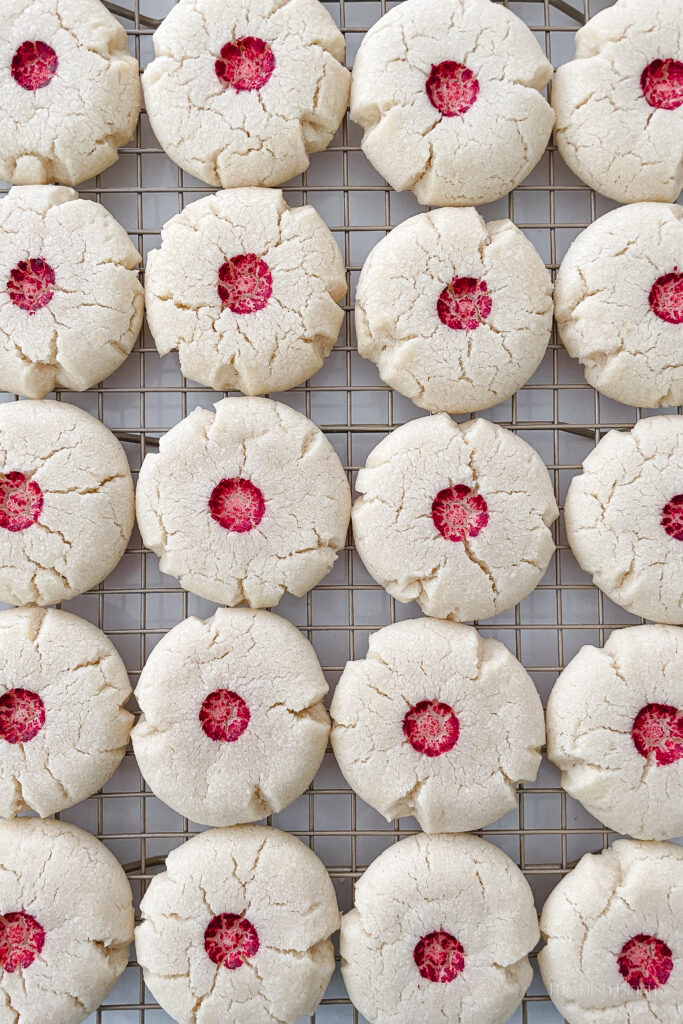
557,412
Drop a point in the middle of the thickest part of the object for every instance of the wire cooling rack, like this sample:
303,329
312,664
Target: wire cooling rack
556,412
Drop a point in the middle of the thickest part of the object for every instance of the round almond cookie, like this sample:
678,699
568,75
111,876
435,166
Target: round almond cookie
246,943
63,726
66,502
619,304
615,729
624,518
241,91
619,104
70,300
233,727
441,930
448,95
439,723
245,503
456,313
614,946
455,516
69,89
246,290
66,921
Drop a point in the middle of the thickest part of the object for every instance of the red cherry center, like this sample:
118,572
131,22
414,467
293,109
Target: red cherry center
464,304
666,297
21,502
439,957
21,940
30,285
459,513
672,517
237,504
657,732
662,83
22,715
245,64
452,88
224,716
645,962
229,940
245,283
431,727
34,65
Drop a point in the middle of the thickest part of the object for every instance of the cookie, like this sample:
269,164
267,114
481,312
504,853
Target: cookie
63,726
455,516
70,300
447,93
241,91
233,727
66,502
69,89
439,723
619,104
250,943
614,949
624,517
246,289
246,503
441,930
66,921
615,729
619,304
456,313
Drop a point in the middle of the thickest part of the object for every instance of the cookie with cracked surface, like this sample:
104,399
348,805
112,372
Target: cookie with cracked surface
441,929
448,95
615,729
612,929
237,928
241,91
246,289
245,503
63,725
70,300
233,727
619,103
456,313
624,518
69,89
619,304
439,723
66,921
455,516
66,502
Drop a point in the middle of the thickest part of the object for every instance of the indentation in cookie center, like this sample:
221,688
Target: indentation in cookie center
645,962
22,715
452,88
459,513
230,939
464,304
439,957
34,65
657,732
30,285
21,501
662,83
246,64
431,727
672,517
21,940
666,297
224,715
245,283
237,505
